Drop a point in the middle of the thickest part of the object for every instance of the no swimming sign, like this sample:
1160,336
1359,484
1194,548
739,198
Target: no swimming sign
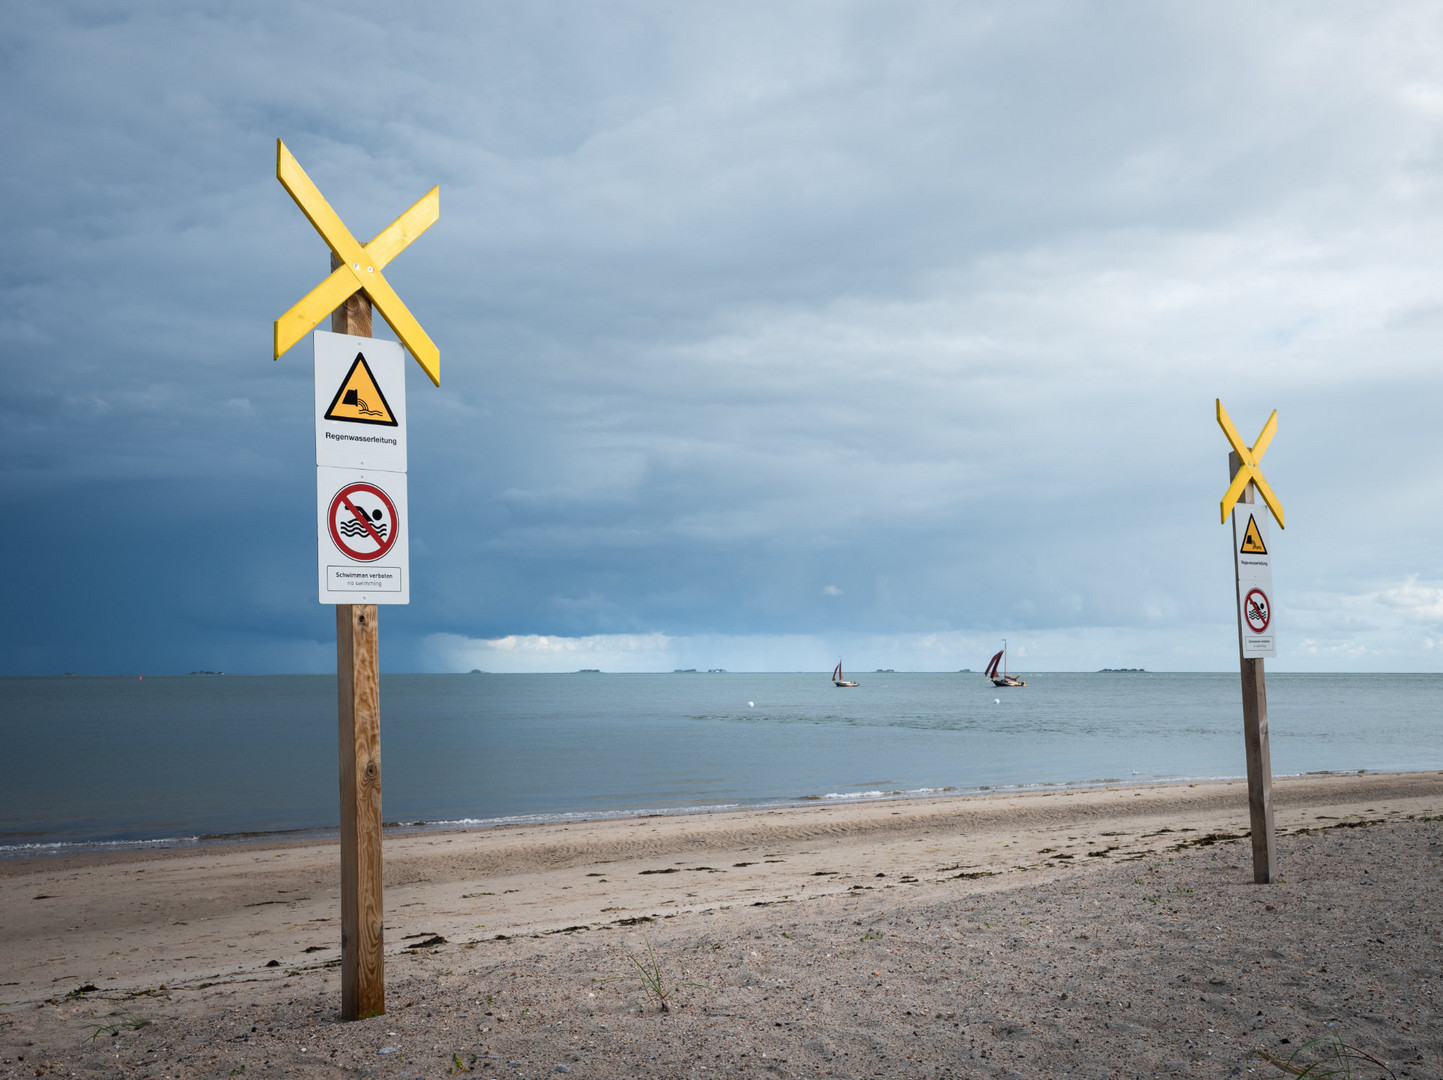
1254,562
363,554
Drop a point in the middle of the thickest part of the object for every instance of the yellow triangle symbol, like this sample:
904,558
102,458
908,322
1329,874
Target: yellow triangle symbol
1253,539
359,400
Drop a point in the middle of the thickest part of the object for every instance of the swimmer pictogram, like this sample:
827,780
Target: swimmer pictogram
363,522
1257,610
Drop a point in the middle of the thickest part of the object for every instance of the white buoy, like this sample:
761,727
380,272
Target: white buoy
751,704
997,701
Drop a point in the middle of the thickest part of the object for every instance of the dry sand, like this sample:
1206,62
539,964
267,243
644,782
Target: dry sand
1097,933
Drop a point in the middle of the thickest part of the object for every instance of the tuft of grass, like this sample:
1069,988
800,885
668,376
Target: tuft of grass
459,1066
123,1020
1331,1057
653,984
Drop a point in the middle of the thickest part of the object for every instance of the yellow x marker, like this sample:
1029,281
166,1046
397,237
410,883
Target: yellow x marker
1250,456
360,267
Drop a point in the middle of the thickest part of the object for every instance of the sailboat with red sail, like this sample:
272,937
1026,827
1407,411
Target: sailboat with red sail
838,679
1001,678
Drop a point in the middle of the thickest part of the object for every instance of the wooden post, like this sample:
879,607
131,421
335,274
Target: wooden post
358,681
1255,738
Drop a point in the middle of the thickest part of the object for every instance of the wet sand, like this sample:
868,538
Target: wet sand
1091,933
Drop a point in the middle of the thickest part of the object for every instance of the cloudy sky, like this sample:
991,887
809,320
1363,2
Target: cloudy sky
770,334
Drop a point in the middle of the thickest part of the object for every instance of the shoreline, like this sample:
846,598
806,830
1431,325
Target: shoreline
43,852
887,937
1126,821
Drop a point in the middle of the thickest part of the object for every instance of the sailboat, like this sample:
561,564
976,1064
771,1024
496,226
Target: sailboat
838,680
1001,678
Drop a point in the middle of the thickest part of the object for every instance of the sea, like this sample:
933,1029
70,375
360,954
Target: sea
127,762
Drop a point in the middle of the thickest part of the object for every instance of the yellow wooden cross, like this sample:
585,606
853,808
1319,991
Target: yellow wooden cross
1249,456
360,267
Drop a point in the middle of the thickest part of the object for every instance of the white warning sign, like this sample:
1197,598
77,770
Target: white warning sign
1255,619
360,403
362,552
1251,551
1252,555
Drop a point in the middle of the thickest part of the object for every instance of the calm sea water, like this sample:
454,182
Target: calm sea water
121,760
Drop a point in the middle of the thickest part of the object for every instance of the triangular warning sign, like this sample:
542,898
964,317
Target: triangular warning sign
359,400
1253,539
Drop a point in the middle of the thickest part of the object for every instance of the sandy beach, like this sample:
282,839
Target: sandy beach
1104,932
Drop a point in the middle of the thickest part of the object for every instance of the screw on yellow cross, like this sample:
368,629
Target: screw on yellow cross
1249,456
360,267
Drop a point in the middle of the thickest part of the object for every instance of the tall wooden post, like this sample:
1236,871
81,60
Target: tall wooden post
1255,738
356,282
358,680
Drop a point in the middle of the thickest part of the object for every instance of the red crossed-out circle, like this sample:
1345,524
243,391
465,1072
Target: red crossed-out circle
356,548
1257,610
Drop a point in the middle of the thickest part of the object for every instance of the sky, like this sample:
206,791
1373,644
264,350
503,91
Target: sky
770,334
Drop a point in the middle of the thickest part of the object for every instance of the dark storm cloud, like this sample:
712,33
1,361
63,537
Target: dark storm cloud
875,322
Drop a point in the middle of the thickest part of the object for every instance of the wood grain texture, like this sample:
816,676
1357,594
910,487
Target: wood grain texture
354,316
363,970
363,979
1255,739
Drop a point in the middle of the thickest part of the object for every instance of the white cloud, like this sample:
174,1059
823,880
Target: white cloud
1087,649
1415,601
549,652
